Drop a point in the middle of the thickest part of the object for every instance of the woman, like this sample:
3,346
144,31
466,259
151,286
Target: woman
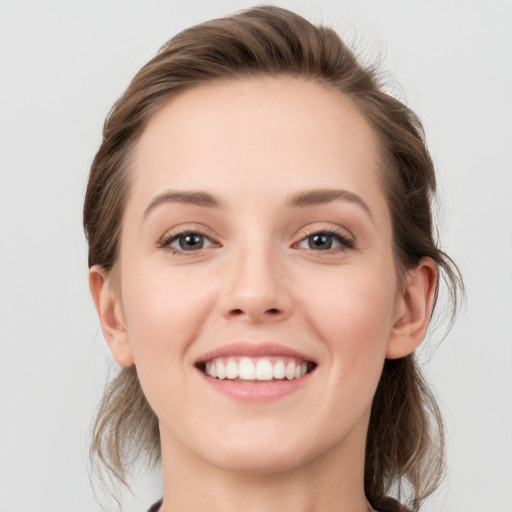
263,266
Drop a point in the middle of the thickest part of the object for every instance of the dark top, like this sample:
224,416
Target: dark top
385,505
155,507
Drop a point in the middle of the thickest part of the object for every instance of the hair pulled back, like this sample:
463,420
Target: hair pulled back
404,452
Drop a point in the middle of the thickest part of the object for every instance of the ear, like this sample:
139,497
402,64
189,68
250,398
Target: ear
110,312
413,310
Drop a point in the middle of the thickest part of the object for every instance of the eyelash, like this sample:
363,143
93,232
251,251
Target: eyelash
167,240
345,241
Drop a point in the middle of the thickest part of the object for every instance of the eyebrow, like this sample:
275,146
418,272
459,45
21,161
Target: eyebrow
324,196
203,199
298,200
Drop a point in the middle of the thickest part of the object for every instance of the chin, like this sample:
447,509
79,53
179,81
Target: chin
264,452
259,462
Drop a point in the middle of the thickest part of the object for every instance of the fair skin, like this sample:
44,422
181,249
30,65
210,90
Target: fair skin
256,227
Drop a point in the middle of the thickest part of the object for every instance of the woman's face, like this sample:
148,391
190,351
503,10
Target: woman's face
257,244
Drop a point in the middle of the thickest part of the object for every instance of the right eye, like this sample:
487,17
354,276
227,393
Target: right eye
186,242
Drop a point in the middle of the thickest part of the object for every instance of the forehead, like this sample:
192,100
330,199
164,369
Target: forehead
258,134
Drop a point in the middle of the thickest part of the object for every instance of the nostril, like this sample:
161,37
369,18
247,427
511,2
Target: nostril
254,314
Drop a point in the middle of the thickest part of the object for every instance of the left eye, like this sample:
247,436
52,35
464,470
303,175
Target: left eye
325,241
188,242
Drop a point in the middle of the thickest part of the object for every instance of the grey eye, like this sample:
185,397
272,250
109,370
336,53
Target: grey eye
190,242
320,241
186,242
326,241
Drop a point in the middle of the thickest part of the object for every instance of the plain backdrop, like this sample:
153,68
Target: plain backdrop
62,65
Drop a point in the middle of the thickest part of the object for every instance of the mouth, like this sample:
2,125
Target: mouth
264,369
256,373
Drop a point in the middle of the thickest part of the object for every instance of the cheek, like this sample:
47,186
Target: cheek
354,320
353,311
163,312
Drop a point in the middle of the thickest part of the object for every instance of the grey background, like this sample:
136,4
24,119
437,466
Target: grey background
62,65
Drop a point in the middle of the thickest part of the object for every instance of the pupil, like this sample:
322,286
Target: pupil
191,241
320,242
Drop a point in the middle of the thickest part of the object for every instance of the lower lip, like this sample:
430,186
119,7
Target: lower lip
252,391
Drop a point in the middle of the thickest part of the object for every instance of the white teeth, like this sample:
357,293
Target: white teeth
261,369
232,370
279,370
264,370
221,371
290,371
246,369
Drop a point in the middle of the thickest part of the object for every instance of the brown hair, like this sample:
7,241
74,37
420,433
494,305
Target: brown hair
404,452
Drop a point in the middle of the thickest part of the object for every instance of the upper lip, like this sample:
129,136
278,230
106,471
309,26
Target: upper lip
243,348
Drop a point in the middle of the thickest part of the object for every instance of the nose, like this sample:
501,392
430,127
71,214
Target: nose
257,289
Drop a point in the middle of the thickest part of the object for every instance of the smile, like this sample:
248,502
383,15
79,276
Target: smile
266,369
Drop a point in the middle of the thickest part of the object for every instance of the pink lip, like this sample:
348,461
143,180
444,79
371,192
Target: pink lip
255,391
243,348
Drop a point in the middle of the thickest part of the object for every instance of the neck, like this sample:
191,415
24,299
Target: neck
331,482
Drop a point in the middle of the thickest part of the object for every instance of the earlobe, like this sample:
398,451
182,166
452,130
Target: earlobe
413,309
111,317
